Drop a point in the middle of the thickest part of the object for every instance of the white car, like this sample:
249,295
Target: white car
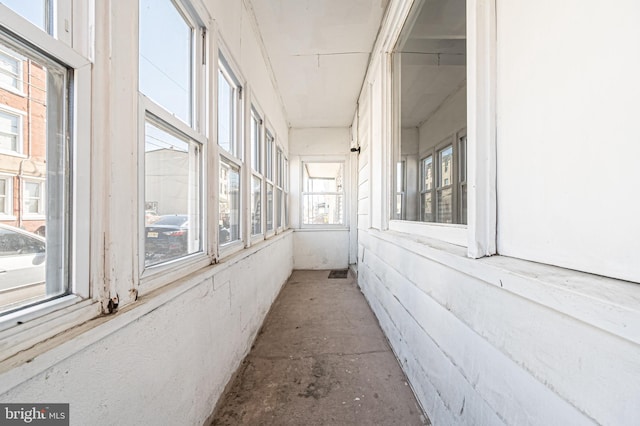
22,258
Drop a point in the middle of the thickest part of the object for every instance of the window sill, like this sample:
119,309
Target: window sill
450,233
606,303
24,328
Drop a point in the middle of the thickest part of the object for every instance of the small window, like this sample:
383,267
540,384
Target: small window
323,194
462,180
11,71
10,132
33,199
426,189
444,190
229,203
256,207
6,197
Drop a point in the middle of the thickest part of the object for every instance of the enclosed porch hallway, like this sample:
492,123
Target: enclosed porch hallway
319,359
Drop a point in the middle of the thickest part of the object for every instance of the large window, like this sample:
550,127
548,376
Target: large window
430,68
174,135
34,267
231,163
322,193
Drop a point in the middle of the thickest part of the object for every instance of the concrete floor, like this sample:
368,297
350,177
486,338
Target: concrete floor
320,359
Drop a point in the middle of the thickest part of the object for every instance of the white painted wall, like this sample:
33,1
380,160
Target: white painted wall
318,247
166,355
567,138
501,340
167,359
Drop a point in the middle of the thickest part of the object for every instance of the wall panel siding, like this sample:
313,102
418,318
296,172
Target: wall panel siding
508,351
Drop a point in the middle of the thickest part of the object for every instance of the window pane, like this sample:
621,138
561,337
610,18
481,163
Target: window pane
3,196
34,11
445,161
278,207
426,206
256,207
225,114
322,209
255,143
445,205
172,193
9,128
10,70
269,156
427,174
323,177
463,204
269,207
166,57
229,203
32,273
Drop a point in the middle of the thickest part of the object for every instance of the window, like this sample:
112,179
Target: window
462,179
437,192
37,268
257,128
6,197
11,71
229,97
229,227
426,189
269,147
322,193
279,187
33,199
174,136
10,131
444,189
230,143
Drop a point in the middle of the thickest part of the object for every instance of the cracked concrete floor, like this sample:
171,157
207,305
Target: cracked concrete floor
320,359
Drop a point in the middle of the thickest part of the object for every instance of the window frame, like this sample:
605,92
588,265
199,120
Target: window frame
43,320
479,234
226,62
345,184
8,198
269,177
256,152
41,214
19,76
19,151
153,276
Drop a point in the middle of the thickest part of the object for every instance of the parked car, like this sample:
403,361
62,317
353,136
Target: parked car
22,258
167,237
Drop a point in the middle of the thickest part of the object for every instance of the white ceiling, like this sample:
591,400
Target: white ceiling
319,51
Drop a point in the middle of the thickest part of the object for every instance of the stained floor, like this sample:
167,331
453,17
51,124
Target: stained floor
320,359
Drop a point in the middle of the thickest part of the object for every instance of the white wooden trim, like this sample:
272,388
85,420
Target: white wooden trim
450,233
481,130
